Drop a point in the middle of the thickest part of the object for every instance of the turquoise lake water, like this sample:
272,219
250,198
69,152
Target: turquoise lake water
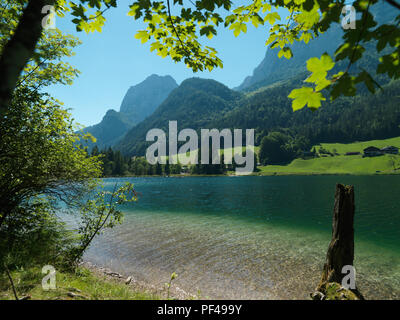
252,237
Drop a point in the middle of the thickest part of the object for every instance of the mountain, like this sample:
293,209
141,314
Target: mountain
263,102
110,130
138,103
273,69
194,104
141,100
200,103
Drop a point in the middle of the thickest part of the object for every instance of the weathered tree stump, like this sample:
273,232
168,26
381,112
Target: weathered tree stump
341,248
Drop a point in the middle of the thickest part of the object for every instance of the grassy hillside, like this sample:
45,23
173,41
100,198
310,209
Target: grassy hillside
341,164
233,151
335,165
342,148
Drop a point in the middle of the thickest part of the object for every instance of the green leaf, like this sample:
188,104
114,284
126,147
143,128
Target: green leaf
308,18
238,27
133,10
155,46
306,37
319,69
272,17
256,20
306,96
142,36
209,31
285,52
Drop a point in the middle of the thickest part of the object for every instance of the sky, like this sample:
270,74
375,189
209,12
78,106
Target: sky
112,61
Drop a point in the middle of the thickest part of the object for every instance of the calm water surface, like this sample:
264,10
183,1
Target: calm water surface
252,237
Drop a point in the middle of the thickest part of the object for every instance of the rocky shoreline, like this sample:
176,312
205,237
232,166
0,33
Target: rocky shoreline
175,293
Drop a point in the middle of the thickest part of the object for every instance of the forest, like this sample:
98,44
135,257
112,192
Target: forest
115,164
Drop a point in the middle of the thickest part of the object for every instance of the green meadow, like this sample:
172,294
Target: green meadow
337,163
340,163
342,148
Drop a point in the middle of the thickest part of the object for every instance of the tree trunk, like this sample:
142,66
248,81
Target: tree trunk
340,251
20,48
341,247
11,282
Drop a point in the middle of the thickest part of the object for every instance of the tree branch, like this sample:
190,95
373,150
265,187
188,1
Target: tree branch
100,224
175,31
20,48
359,37
39,64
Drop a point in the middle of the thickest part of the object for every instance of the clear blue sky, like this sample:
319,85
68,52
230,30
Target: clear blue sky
112,61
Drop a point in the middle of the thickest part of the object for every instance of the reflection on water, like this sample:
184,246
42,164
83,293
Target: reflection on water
252,237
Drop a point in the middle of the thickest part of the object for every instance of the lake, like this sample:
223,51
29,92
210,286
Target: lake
254,237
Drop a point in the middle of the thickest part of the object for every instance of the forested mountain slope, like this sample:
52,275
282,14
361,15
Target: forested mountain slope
347,119
195,104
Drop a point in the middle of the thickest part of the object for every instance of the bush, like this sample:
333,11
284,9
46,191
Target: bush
280,148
